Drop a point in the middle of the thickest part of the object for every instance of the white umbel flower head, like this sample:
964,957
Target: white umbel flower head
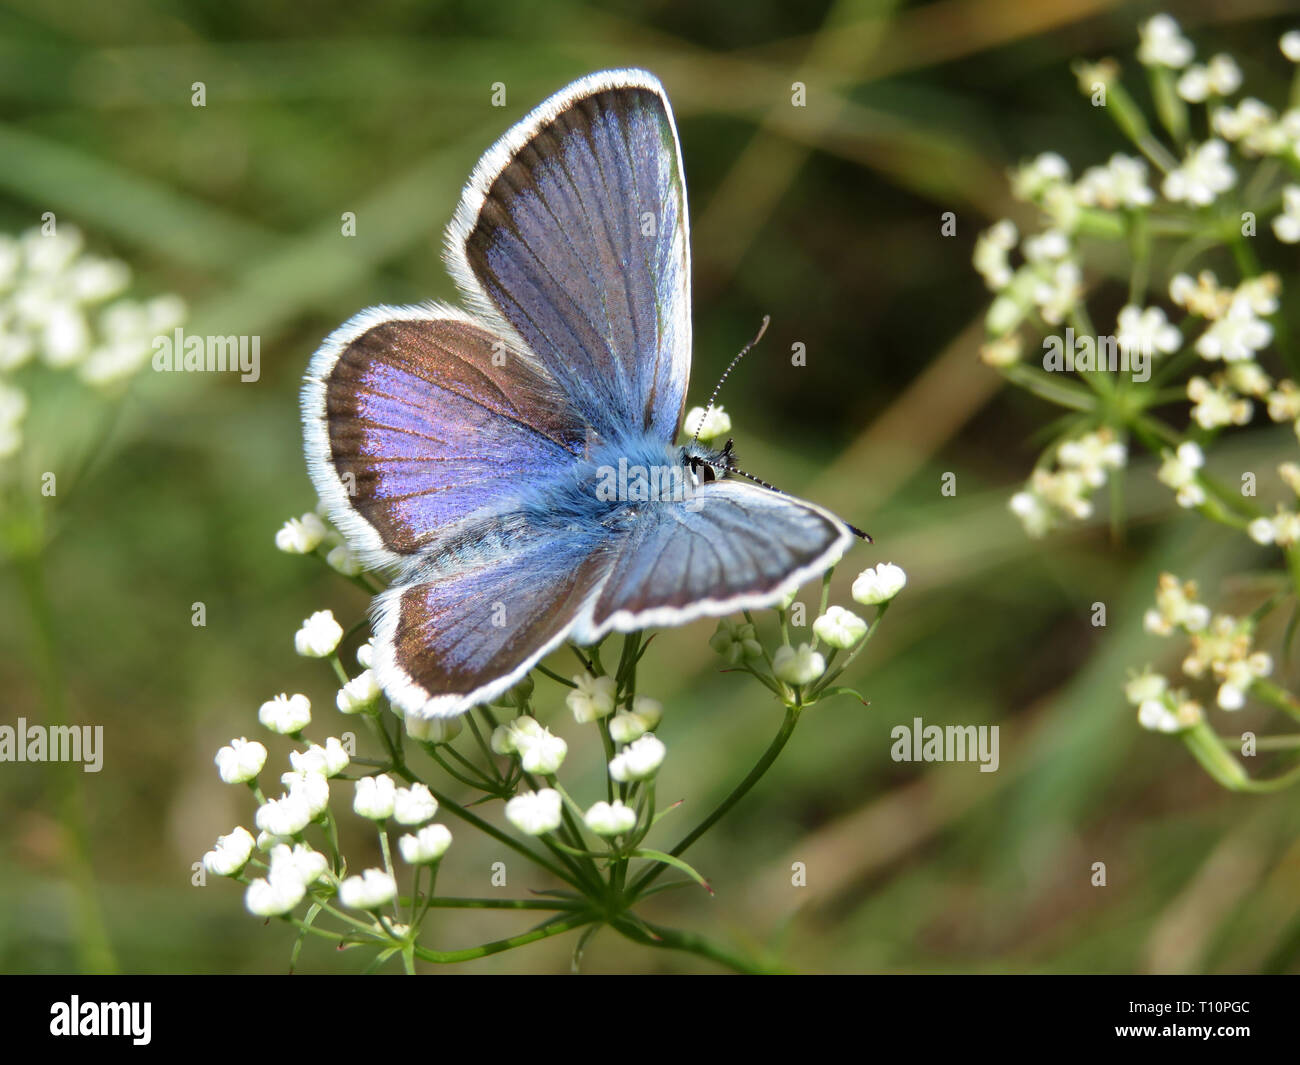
240,761
285,714
299,862
610,818
1220,77
284,817
542,753
1146,685
839,627
1179,472
427,845
879,584
1204,174
414,805
1289,43
715,423
319,636
359,694
271,898
1146,331
1122,182
375,797
312,788
301,536
639,760
328,761
798,665
592,699
1237,335
535,813
1286,226
369,891
231,853
1163,44
433,729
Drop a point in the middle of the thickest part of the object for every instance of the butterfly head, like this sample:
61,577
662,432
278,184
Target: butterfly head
706,464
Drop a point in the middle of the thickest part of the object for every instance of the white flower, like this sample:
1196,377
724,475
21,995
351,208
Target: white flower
1250,122
433,729
1092,455
240,761
990,256
1290,45
361,692
535,813
1047,247
1122,182
1157,717
1163,43
1145,686
1237,335
734,641
879,584
319,635
312,788
285,714
610,819
1221,77
1146,331
1178,471
231,853
639,760
375,797
301,536
801,665
343,560
1176,606
366,655
1034,514
1238,675
1205,173
299,863
839,627
1035,178
414,805
650,711
1282,529
716,423
541,753
369,891
624,727
1059,292
427,845
270,898
1286,226
592,699
328,761
1217,404
286,816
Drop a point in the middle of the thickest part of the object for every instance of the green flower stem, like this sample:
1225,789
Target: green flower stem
451,903
447,957
739,792
671,939
478,785
554,676
92,938
1064,392
1267,691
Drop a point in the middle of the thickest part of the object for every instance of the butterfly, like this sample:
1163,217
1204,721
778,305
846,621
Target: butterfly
509,462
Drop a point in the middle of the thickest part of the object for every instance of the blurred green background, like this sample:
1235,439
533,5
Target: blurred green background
826,218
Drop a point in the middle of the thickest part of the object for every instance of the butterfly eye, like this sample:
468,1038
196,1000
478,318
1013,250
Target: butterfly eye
706,473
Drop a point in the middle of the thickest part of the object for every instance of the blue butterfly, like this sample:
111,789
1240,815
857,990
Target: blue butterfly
475,452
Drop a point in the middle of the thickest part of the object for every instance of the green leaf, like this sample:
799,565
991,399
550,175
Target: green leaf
675,862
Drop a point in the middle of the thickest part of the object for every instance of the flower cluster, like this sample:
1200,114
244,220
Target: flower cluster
63,307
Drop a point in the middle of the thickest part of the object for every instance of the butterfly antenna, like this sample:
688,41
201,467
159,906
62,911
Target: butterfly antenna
773,488
725,373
